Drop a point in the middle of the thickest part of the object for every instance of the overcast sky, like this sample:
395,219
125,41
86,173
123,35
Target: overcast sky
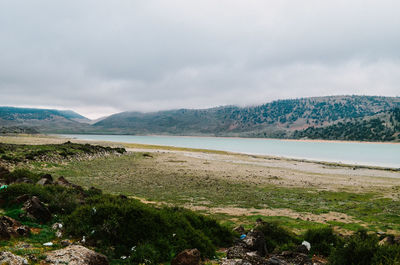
100,57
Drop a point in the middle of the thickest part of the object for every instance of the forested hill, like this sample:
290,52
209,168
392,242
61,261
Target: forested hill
281,119
336,117
43,120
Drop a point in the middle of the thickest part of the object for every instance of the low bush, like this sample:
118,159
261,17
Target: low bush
322,240
363,249
143,232
278,238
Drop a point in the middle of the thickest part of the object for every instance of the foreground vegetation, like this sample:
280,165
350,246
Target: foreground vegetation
121,226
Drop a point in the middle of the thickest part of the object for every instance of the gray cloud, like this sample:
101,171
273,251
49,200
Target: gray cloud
100,57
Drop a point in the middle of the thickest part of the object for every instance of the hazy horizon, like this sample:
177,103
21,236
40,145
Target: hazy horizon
99,57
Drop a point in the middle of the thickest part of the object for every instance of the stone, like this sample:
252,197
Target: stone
75,255
65,243
239,229
235,262
23,230
35,209
254,259
21,199
44,181
187,257
48,177
388,240
255,241
11,259
24,180
276,261
8,227
236,252
4,172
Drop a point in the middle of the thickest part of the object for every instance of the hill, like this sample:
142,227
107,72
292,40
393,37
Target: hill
278,119
42,120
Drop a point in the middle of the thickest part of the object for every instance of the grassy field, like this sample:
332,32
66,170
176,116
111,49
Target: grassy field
238,189
234,200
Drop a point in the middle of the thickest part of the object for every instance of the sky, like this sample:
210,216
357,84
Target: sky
101,57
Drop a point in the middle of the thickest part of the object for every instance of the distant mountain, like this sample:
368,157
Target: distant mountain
369,118
278,119
42,120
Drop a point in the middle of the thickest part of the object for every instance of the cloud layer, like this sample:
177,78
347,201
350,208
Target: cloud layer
98,57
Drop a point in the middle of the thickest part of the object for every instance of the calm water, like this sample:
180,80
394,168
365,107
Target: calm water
375,154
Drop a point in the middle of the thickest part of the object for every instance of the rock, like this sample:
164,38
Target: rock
236,252
255,241
65,183
8,227
5,233
276,261
11,259
44,181
9,221
4,173
235,262
21,199
75,255
239,229
48,177
187,257
23,230
35,209
65,243
62,182
388,240
396,239
254,259
24,180
291,257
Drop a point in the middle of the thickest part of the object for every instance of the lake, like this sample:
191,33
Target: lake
372,154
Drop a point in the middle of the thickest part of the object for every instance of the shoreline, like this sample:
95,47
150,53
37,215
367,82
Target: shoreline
47,139
240,137
326,161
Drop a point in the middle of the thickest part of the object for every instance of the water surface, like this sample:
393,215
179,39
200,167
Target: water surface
372,154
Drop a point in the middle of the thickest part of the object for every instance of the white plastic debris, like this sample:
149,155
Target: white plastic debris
57,226
48,244
133,248
83,239
123,257
307,245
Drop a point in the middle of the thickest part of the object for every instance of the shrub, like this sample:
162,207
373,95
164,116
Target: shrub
125,223
278,238
358,249
60,200
24,173
322,240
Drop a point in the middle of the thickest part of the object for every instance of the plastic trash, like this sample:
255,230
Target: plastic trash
307,245
243,236
48,244
3,187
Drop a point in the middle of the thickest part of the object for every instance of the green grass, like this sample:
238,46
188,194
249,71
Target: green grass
133,175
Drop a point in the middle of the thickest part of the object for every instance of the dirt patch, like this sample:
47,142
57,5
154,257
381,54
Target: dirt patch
322,218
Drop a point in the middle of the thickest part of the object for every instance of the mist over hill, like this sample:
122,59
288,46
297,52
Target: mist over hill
371,118
278,119
42,120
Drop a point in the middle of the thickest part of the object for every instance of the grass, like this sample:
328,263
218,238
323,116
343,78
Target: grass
135,175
